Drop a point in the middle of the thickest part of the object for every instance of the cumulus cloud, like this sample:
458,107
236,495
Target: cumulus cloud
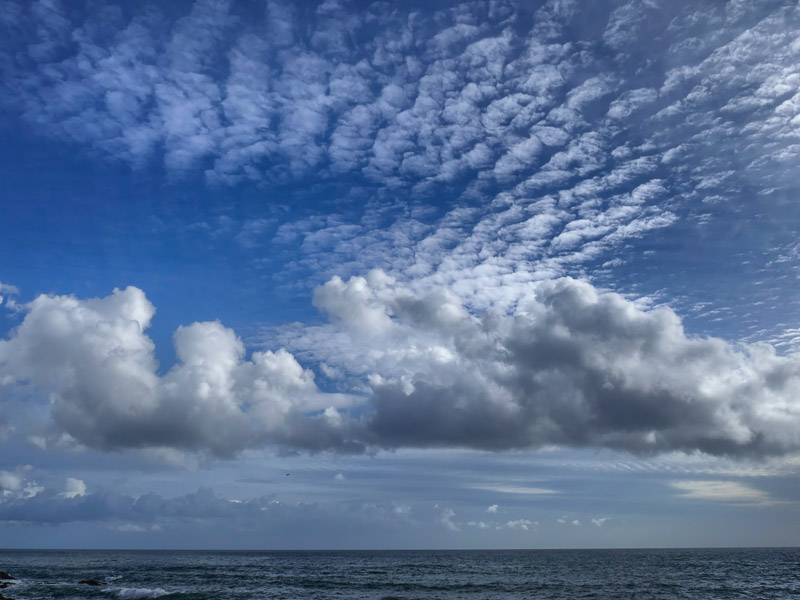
522,524
493,508
16,485
74,488
94,360
571,366
10,482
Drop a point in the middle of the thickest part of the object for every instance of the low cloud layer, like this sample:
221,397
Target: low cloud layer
93,361
570,366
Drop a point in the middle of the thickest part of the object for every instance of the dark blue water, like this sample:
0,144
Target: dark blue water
406,575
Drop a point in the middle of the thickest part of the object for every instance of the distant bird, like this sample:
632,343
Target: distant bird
288,474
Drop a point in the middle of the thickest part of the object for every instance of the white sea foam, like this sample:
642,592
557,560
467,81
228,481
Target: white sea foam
140,593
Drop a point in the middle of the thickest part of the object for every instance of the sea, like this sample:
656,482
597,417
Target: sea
697,574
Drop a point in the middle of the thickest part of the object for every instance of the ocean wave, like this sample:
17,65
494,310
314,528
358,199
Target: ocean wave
141,593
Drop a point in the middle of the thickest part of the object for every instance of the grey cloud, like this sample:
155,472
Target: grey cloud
570,367
95,362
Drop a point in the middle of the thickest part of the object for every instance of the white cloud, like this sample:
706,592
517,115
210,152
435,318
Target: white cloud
7,293
493,508
512,489
522,524
599,522
10,482
74,488
94,360
722,491
446,519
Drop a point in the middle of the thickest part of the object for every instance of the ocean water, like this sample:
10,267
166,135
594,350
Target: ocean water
445,575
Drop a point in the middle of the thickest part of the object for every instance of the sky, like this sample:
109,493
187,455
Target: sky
490,274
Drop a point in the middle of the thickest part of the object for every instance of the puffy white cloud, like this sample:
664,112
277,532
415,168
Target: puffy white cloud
74,488
94,361
568,366
522,524
10,482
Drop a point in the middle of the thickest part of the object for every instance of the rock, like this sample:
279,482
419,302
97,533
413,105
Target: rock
4,575
90,582
5,584
5,597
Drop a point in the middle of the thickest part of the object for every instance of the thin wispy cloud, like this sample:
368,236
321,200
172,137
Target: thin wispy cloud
731,492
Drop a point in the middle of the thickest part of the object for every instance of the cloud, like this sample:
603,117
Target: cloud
446,519
571,366
49,506
599,522
540,123
10,482
731,492
17,486
95,362
512,489
493,508
522,524
74,488
7,291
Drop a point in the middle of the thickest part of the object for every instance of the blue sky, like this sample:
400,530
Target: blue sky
475,274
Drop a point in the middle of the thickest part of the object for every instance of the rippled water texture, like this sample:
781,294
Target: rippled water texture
556,574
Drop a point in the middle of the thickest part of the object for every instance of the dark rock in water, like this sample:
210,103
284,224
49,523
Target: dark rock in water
5,597
5,584
90,582
4,575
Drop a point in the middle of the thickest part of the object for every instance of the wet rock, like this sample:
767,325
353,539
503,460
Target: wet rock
4,575
5,584
90,582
